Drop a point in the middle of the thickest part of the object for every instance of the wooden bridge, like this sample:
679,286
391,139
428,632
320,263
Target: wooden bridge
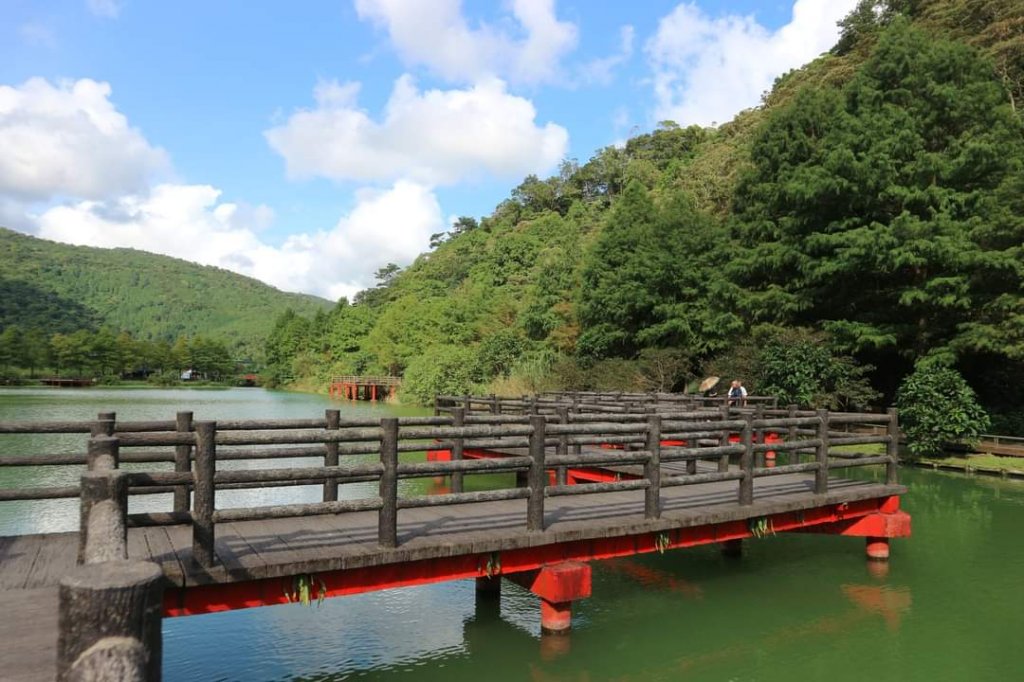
363,387
669,478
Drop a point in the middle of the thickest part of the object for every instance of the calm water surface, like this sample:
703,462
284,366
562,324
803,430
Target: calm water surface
951,606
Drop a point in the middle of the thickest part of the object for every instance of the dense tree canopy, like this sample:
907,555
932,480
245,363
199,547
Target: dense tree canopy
869,214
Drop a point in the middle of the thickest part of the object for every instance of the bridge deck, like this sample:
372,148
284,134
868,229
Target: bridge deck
31,566
266,549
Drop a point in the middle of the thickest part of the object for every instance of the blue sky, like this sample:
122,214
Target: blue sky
308,143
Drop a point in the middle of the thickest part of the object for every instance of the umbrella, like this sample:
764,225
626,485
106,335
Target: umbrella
708,384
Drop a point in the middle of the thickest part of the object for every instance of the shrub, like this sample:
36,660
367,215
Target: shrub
938,407
446,370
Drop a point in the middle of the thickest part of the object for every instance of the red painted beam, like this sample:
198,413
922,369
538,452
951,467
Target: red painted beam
265,592
562,582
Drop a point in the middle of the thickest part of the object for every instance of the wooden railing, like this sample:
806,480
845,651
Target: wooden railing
196,447
544,436
580,401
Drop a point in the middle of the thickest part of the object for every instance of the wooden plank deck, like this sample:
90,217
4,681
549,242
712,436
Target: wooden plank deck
278,547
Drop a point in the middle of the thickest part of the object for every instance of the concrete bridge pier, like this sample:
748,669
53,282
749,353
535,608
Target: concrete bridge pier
558,586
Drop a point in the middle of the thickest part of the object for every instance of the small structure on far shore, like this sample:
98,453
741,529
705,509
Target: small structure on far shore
364,387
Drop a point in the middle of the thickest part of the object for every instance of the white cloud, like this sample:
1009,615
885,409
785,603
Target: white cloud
706,70
434,33
69,139
190,222
109,9
432,137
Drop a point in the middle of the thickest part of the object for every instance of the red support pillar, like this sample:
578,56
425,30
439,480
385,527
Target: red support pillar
558,586
877,548
877,528
373,392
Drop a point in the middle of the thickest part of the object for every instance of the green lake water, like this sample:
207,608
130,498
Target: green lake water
796,607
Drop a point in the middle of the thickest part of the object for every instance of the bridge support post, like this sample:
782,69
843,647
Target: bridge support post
877,549
489,586
558,586
109,622
876,529
732,549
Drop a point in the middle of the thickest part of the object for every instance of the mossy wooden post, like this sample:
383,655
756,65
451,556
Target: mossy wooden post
467,403
821,473
723,461
332,422
791,435
103,511
892,448
182,460
495,405
652,468
747,461
102,452
202,513
458,445
387,519
437,410
562,472
537,476
102,455
109,622
105,424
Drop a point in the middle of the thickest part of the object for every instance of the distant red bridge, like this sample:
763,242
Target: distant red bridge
363,387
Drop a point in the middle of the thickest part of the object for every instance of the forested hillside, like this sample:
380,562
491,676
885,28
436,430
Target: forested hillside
48,288
864,225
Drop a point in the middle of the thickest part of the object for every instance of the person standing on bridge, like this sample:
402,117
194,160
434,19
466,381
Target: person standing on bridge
737,394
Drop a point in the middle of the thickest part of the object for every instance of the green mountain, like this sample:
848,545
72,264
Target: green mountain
862,226
61,288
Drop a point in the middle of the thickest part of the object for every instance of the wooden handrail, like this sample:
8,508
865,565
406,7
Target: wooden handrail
546,441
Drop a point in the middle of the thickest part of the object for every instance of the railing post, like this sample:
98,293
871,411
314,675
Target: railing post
109,622
182,460
537,476
101,456
387,519
892,448
332,423
821,473
467,402
437,411
104,425
562,472
102,453
758,435
791,435
103,511
747,461
494,405
458,419
652,468
202,514
723,461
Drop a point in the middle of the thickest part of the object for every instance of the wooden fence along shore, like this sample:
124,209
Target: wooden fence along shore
597,476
